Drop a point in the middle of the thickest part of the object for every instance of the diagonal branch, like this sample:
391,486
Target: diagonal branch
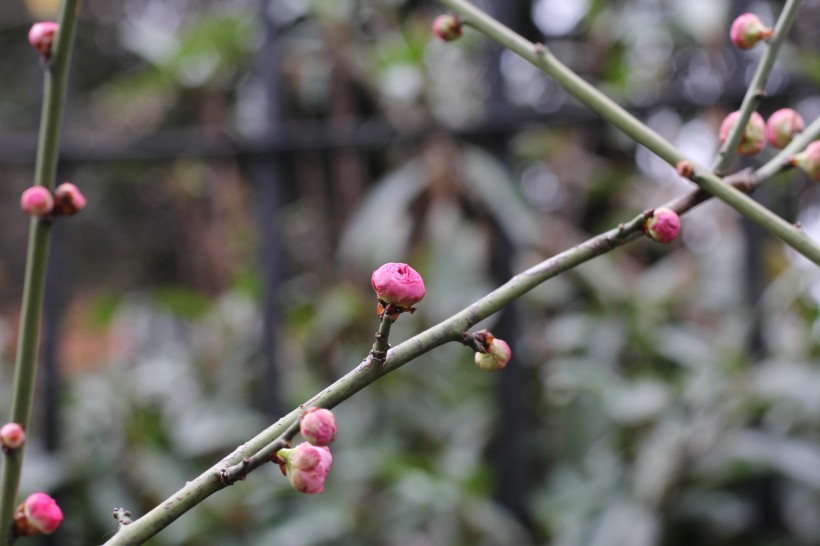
540,56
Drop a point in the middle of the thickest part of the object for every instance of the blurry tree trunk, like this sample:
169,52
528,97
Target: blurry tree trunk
267,182
510,461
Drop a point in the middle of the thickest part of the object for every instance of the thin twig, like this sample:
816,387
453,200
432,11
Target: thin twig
541,57
25,370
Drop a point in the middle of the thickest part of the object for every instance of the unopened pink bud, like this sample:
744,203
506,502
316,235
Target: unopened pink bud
747,30
12,436
68,199
318,426
399,284
37,201
809,160
663,226
754,137
38,514
497,353
447,27
41,37
306,466
782,126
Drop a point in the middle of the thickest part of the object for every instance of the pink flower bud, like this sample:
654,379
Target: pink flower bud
747,30
38,514
754,137
12,436
306,466
497,356
41,37
496,353
782,126
809,160
663,226
37,201
447,27
68,199
318,426
398,284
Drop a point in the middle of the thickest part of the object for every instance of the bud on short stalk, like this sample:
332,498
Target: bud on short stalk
306,466
68,199
41,37
37,201
782,126
496,353
318,426
38,514
754,136
12,436
663,226
397,284
447,28
809,160
747,30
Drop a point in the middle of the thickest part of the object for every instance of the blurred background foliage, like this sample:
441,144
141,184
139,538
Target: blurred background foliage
248,164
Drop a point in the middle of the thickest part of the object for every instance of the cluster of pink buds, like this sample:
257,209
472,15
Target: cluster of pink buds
12,436
496,353
747,30
41,37
447,28
663,226
37,515
308,464
65,200
398,286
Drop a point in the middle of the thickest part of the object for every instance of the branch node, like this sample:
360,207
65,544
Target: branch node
685,169
539,49
122,516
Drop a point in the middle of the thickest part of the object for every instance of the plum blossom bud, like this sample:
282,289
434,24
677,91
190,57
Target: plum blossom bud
318,426
399,284
12,436
663,226
306,466
497,356
496,353
38,514
809,160
754,137
37,201
68,199
447,27
782,126
747,30
41,37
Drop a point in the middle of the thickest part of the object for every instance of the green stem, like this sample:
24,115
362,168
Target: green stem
542,58
757,87
381,345
25,370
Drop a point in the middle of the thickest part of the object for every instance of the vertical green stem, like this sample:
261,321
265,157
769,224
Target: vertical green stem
757,87
25,370
381,345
